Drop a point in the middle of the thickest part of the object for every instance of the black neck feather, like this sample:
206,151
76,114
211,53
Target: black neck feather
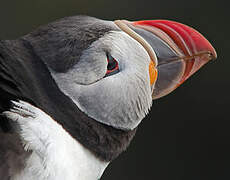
24,76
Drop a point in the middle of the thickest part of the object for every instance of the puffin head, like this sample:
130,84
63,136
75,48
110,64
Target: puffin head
113,70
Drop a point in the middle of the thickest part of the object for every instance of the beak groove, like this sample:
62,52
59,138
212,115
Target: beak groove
208,54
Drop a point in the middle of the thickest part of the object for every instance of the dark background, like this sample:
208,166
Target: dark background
186,135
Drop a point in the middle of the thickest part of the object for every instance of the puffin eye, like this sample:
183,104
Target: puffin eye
112,67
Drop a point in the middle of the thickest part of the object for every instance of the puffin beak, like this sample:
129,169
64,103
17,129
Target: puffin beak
180,51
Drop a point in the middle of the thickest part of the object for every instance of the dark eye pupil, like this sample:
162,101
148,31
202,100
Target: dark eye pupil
112,67
112,64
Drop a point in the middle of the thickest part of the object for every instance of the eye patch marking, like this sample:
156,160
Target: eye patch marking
112,67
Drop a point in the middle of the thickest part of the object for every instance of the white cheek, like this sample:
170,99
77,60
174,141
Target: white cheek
121,100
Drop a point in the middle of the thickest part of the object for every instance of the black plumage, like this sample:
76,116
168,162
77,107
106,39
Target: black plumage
25,75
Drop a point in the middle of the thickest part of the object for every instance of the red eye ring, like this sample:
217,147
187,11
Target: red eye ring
112,67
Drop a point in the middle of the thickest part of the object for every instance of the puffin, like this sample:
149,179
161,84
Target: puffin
73,92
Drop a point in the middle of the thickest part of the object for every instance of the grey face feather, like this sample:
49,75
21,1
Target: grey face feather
75,48
121,100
